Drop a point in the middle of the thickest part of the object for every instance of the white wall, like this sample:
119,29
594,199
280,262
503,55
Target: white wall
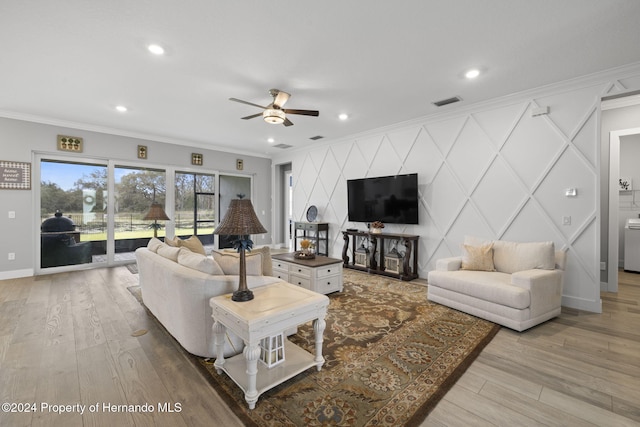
20,140
491,170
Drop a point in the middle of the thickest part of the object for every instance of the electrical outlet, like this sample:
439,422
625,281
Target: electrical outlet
12,214
11,256
566,220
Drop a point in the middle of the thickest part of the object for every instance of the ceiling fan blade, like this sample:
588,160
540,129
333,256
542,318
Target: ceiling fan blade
245,102
287,122
280,98
253,116
303,112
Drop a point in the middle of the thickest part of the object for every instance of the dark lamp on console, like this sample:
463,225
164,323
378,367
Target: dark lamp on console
155,214
241,221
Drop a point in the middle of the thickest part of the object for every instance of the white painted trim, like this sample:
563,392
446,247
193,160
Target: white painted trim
16,274
614,202
582,304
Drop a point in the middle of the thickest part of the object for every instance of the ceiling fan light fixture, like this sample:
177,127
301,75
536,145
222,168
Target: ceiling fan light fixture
273,116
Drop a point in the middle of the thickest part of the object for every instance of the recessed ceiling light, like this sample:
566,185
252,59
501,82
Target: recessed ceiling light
121,108
156,49
343,116
472,74
271,140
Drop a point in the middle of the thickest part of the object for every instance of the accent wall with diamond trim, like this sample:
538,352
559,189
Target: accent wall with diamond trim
493,171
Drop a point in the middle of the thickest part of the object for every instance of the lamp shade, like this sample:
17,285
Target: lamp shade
156,213
240,220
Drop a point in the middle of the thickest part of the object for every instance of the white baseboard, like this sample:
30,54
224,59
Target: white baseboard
582,304
15,274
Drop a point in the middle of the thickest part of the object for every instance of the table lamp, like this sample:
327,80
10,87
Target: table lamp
241,221
156,213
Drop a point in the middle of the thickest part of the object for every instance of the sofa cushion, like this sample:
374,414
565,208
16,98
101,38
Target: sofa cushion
264,251
192,243
489,286
154,244
510,257
478,258
230,263
199,262
168,252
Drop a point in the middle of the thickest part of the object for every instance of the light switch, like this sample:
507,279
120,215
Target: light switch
566,220
12,214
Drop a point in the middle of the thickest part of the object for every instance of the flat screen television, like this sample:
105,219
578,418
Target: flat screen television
390,199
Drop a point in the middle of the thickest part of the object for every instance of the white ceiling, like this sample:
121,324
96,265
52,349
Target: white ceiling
71,62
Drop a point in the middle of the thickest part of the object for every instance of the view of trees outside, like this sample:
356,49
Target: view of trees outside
79,191
195,207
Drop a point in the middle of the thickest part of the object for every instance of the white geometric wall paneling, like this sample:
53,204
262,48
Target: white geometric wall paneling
496,173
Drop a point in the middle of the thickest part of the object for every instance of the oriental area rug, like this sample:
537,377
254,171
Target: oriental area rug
391,355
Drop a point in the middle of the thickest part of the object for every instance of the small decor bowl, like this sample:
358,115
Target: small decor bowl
304,255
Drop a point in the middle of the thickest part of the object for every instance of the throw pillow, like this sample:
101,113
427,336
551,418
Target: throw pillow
230,263
168,252
511,257
199,262
154,244
192,243
267,264
479,258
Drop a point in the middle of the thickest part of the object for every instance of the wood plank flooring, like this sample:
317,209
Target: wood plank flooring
69,339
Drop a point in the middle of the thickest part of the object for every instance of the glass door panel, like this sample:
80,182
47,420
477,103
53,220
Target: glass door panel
231,187
195,206
73,201
135,190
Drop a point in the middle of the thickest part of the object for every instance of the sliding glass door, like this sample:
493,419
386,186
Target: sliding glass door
195,206
73,200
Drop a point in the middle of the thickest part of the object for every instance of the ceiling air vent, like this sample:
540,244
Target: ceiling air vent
447,101
317,137
283,146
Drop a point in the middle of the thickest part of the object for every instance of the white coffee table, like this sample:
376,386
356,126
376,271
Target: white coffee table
274,309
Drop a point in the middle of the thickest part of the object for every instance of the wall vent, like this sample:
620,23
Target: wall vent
317,137
283,146
447,101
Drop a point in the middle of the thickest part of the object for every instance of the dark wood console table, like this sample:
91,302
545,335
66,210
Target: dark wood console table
376,262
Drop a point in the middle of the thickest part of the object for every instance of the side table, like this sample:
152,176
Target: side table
274,309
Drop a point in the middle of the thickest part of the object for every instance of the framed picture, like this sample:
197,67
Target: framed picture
142,151
196,159
15,175
624,184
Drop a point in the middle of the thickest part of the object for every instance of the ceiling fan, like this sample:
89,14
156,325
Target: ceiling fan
274,113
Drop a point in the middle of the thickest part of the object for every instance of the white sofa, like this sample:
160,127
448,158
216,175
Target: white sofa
177,284
517,285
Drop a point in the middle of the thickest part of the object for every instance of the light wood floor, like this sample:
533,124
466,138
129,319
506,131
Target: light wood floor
67,339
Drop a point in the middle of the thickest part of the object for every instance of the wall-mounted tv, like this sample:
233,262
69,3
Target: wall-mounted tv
390,199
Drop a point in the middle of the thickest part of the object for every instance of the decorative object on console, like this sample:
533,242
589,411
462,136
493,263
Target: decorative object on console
155,214
377,226
362,256
312,213
393,261
241,221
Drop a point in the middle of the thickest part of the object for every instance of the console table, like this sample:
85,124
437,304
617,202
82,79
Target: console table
316,232
376,264
275,308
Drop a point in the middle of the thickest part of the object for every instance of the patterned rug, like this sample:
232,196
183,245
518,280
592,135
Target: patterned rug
391,355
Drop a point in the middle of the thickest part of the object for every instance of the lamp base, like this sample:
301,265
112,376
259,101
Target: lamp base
242,296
